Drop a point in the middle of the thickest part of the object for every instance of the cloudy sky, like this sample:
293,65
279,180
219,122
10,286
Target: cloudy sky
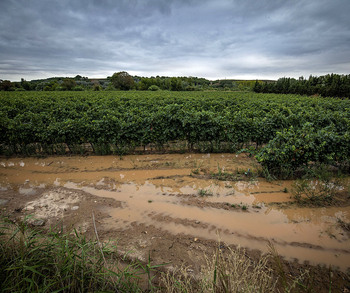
245,39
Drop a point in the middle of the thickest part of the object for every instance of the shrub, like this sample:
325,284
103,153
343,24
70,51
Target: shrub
154,88
292,149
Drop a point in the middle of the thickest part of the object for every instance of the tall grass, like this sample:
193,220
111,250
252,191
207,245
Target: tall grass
226,271
36,261
33,261
232,270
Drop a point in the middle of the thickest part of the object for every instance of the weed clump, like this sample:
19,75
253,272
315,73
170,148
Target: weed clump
317,187
205,192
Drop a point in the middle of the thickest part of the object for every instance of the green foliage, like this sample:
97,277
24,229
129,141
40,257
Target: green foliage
68,84
34,261
318,186
317,192
78,88
154,88
123,81
205,192
292,149
6,85
286,133
330,85
239,174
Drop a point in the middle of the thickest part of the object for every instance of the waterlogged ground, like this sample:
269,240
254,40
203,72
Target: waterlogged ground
170,206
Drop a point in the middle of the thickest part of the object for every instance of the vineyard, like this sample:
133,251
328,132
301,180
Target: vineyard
283,131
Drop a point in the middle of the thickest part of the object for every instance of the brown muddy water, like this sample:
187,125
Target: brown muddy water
166,192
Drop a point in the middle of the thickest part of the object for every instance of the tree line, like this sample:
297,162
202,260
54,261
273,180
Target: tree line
330,85
124,81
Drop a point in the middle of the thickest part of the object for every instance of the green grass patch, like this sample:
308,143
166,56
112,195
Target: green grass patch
205,192
53,261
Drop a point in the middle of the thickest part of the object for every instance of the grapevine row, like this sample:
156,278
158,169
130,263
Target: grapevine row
292,130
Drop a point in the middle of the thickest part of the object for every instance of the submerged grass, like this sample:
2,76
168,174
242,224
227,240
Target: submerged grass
319,186
239,174
205,192
222,175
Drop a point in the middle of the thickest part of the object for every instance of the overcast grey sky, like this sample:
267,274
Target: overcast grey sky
245,39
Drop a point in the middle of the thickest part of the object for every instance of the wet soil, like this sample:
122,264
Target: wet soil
169,206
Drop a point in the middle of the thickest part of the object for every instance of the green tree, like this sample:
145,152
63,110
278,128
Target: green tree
6,85
123,81
68,84
175,84
257,87
25,84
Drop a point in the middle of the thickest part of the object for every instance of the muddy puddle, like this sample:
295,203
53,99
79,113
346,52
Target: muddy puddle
166,193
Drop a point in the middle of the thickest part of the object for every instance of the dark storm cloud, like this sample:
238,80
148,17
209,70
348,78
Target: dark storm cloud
214,39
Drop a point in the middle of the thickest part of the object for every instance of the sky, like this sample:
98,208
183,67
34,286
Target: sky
214,39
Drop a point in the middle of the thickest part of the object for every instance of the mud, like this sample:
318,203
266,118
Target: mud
156,203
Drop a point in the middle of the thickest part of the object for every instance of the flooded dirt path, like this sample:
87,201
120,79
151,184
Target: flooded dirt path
167,195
